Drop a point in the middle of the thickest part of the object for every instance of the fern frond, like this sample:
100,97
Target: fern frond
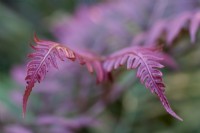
147,63
168,30
45,56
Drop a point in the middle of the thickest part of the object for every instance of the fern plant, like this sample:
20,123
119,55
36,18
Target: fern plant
146,58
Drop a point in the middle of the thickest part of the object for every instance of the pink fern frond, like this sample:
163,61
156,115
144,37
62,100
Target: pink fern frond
45,56
168,30
147,62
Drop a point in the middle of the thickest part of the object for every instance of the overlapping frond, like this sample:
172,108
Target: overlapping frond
147,63
45,55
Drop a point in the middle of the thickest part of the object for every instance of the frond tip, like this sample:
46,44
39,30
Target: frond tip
46,54
147,62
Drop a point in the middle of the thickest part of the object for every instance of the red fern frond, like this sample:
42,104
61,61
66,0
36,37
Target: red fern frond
147,63
46,54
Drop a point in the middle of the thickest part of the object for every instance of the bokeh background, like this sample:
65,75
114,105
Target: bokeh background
69,101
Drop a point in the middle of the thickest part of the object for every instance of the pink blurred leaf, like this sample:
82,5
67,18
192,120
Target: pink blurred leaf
195,21
169,61
16,129
176,25
156,32
74,123
139,39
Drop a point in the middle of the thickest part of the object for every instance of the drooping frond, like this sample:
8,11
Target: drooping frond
146,61
45,55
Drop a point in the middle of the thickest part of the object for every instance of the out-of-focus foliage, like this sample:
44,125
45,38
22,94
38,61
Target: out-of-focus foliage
19,20
69,100
14,35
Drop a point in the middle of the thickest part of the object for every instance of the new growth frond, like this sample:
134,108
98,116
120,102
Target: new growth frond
147,63
45,55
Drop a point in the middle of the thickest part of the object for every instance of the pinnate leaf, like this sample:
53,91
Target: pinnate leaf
147,62
45,55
